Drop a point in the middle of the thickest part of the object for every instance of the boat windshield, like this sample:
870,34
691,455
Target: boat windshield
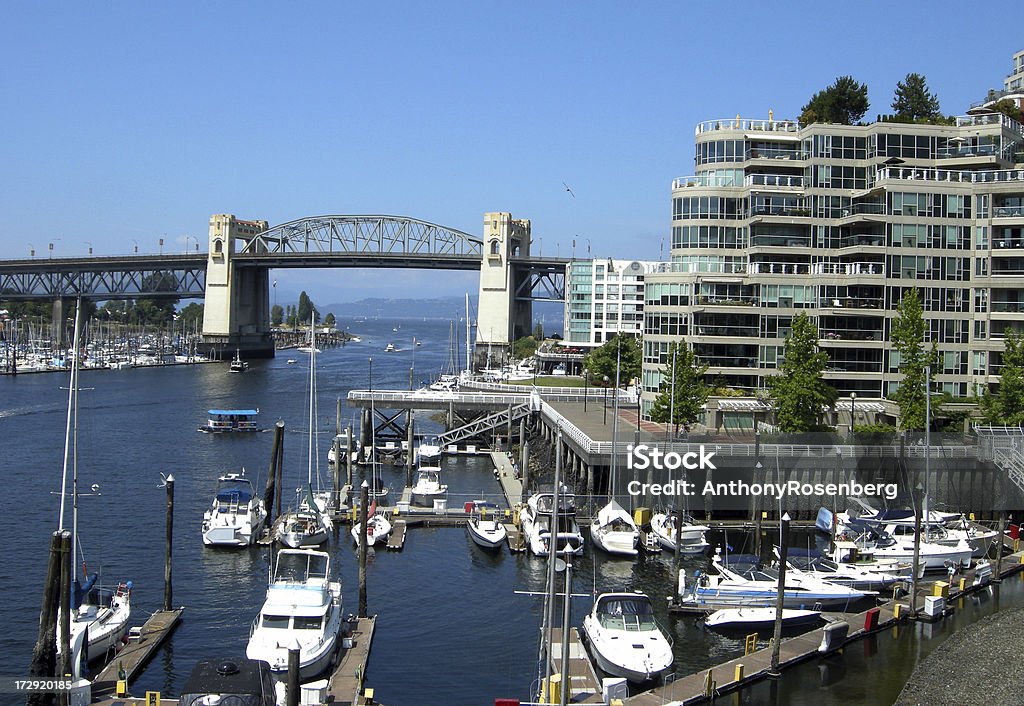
626,613
300,567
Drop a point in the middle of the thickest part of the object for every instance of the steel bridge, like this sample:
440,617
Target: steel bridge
241,253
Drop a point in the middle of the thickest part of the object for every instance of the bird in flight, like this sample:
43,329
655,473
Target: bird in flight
568,189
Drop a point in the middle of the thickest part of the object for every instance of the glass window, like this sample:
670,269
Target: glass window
307,622
275,621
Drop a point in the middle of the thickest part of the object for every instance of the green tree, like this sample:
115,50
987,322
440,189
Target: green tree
276,315
691,392
191,317
908,330
306,309
329,320
844,102
1006,406
1009,108
538,331
601,361
798,392
524,347
913,102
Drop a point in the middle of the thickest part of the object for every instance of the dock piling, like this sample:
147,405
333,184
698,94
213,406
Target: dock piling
64,615
268,493
348,456
364,505
44,654
170,542
292,689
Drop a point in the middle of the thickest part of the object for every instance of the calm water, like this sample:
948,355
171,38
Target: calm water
451,628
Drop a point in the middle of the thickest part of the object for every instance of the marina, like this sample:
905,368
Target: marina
430,539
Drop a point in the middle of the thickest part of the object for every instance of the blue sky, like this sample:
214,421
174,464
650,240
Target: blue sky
129,122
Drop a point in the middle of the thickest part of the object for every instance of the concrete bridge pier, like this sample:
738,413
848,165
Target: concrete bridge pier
236,314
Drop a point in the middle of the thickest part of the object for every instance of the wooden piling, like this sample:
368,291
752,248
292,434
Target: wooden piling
348,456
364,499
292,691
337,471
64,615
411,455
269,492
168,591
279,482
44,654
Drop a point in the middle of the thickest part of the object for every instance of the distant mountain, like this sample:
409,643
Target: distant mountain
440,308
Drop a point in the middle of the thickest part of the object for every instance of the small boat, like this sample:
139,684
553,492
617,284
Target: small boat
238,365
760,619
389,348
540,519
303,609
691,534
428,487
236,515
625,639
429,451
484,524
614,531
230,420
246,682
291,361
378,528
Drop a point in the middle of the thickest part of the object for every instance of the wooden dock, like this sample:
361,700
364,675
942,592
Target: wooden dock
134,656
345,687
396,540
584,685
511,486
516,540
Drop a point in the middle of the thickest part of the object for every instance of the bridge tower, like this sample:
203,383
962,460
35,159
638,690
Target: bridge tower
237,308
501,318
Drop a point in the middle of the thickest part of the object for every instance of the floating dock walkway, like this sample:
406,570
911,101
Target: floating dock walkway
345,686
134,656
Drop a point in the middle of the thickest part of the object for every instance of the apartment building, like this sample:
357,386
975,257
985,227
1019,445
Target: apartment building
604,297
840,222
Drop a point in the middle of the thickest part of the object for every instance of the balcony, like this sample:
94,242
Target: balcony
713,180
775,181
783,153
856,304
966,151
747,125
780,268
781,241
849,335
854,269
1007,307
988,176
1008,212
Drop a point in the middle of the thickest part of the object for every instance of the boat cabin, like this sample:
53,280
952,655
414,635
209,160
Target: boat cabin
234,494
241,682
230,420
625,611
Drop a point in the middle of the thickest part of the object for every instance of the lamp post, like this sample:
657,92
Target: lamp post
586,387
90,246
136,245
51,250
161,246
31,250
605,421
780,596
371,374
853,413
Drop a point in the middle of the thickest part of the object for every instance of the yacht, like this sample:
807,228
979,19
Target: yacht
539,517
240,682
758,620
691,534
428,486
614,531
484,524
303,608
740,580
236,515
861,577
625,639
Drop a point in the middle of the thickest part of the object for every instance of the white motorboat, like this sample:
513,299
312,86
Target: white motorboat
740,580
614,531
883,545
302,607
691,534
231,681
236,515
484,524
390,348
428,486
428,453
238,365
625,639
978,538
540,520
99,616
759,619
860,577
356,450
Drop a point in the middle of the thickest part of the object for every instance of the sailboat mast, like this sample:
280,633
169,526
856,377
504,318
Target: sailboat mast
312,393
469,359
67,428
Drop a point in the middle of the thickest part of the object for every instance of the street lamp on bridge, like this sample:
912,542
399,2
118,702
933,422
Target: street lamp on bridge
136,245
90,246
161,246
31,250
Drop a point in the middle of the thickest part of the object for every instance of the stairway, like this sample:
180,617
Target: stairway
484,424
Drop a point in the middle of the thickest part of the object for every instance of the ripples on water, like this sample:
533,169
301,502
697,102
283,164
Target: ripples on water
451,627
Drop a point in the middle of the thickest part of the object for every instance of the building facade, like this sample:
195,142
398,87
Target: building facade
604,297
840,222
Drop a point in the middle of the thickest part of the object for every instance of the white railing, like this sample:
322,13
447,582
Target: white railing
775,180
748,125
848,268
951,175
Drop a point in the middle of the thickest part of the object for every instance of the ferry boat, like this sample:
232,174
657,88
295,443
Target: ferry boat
238,365
230,420
236,515
303,609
